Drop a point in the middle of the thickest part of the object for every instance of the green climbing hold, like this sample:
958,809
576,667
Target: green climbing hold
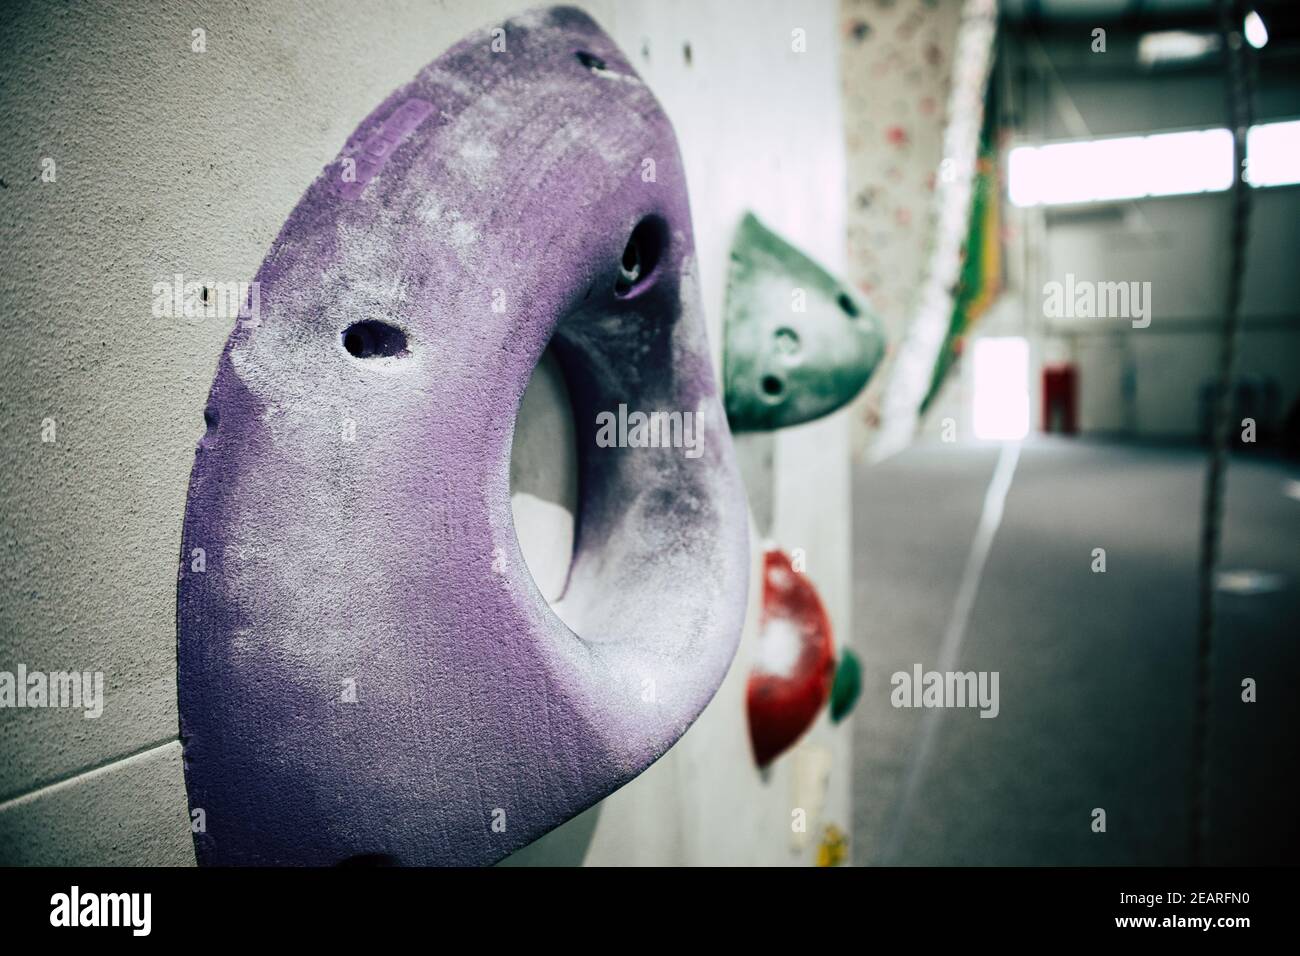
798,342
846,686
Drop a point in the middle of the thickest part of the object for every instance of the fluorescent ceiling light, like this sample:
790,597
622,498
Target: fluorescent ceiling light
1256,32
1175,46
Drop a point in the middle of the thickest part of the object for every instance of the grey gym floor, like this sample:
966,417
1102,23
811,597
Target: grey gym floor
1096,670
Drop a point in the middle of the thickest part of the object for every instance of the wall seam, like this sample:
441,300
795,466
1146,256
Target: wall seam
79,776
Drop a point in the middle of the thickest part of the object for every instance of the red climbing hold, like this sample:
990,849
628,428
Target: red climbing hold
795,665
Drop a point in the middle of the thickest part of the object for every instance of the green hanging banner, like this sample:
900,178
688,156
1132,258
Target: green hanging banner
980,282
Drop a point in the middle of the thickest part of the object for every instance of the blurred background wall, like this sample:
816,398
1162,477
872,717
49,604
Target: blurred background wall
1052,82
1149,385
978,546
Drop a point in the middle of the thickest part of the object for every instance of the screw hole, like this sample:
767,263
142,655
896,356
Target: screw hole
787,340
590,61
642,253
848,305
374,339
772,386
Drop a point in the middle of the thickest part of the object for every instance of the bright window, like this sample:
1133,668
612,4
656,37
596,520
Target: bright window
1001,369
1273,154
1163,164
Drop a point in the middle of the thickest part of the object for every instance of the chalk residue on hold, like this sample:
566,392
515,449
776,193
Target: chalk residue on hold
367,668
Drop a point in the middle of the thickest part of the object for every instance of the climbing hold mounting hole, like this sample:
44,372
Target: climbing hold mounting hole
372,338
848,305
642,253
591,61
772,386
787,340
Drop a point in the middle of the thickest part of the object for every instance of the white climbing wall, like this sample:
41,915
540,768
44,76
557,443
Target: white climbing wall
907,74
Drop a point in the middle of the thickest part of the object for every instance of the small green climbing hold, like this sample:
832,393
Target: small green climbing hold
846,686
798,343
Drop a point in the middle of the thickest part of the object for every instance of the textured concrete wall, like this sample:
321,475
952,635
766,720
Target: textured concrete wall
170,161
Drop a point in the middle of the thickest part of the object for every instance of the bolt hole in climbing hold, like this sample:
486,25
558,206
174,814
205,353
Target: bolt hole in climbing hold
374,339
642,253
848,305
772,386
591,61
787,340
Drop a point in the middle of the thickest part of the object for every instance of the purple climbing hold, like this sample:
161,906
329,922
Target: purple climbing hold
367,670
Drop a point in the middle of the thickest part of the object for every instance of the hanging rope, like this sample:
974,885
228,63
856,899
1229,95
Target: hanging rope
1239,113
